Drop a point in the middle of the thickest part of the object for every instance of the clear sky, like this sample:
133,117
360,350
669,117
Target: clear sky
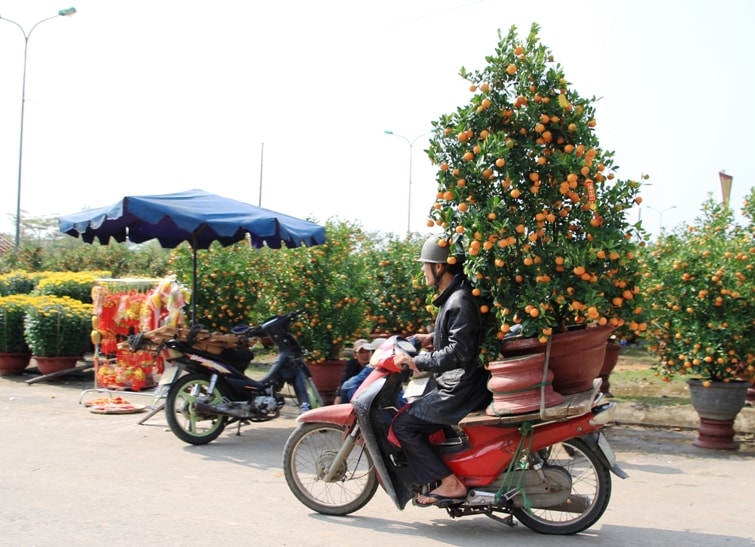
146,97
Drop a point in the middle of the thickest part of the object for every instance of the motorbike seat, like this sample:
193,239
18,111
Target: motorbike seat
238,357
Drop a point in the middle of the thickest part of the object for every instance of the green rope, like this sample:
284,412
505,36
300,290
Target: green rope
527,432
522,390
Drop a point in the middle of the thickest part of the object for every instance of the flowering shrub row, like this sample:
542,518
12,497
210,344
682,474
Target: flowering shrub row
397,295
18,282
328,281
698,288
76,285
355,284
228,283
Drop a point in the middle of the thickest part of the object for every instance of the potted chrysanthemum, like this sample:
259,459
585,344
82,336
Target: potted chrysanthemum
57,331
525,188
14,352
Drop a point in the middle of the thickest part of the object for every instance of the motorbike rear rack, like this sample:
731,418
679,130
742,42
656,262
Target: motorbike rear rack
575,404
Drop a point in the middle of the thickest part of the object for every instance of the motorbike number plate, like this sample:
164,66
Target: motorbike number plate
415,388
606,449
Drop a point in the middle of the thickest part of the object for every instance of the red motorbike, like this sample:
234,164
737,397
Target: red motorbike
552,475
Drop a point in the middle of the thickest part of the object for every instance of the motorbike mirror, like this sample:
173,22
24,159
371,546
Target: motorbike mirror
406,346
240,329
514,332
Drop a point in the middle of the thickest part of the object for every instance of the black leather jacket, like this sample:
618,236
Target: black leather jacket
461,382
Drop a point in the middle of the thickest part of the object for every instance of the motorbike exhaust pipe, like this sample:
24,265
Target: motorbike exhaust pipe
220,410
480,497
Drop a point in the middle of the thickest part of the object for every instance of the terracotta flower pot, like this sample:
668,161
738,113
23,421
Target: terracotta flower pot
576,357
13,363
517,386
609,363
48,365
718,406
327,378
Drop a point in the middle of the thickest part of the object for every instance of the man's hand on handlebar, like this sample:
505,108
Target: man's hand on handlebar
401,359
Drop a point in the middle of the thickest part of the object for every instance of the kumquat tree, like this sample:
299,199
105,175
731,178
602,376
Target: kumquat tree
701,290
526,190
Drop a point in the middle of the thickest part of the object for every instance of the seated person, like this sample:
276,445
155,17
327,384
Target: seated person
350,386
362,353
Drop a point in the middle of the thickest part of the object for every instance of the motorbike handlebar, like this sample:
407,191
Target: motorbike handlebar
259,331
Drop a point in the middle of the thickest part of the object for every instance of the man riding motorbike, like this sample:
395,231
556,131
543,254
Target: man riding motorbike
452,359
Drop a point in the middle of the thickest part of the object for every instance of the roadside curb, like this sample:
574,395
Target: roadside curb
682,416
627,413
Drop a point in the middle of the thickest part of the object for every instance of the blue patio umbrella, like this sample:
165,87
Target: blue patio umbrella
194,216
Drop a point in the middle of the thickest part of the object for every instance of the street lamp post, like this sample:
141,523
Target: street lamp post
660,214
411,145
62,13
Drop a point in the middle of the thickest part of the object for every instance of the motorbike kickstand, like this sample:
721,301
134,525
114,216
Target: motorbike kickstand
508,521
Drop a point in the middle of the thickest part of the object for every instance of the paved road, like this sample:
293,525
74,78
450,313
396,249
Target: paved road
71,477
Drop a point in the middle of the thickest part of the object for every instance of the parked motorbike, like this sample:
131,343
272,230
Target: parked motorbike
553,476
211,391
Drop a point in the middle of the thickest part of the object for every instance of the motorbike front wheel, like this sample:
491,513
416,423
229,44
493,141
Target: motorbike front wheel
590,491
185,422
307,457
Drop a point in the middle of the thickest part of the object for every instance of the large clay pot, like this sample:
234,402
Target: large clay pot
718,406
517,386
576,357
48,365
609,363
327,378
13,363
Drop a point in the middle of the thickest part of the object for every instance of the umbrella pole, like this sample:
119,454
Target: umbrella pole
194,286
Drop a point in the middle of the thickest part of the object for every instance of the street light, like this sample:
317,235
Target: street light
62,13
411,145
660,214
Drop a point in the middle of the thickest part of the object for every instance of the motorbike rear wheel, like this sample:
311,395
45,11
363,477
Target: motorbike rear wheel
590,491
307,458
187,424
